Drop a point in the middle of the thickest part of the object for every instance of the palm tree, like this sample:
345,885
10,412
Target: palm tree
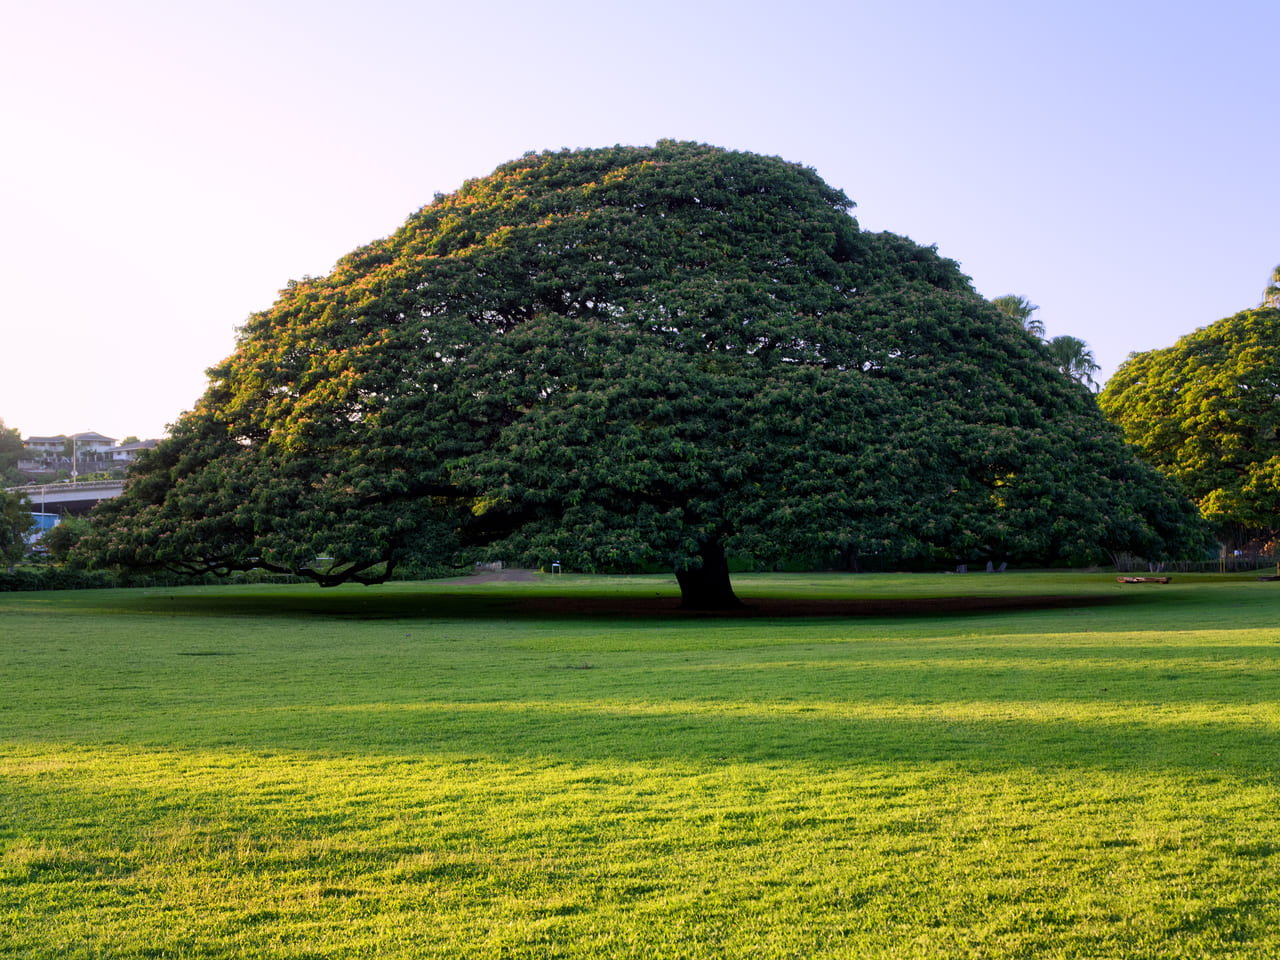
1020,310
1075,359
1271,296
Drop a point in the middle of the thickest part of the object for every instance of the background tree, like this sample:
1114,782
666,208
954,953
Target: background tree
1021,311
1074,358
61,539
11,450
16,524
1206,411
635,356
1070,354
1271,295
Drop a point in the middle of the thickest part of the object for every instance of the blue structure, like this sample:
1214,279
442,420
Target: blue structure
46,522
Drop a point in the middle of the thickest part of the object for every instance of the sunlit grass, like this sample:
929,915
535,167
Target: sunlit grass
420,770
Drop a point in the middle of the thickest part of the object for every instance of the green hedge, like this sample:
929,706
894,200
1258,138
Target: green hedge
52,577
56,578
62,578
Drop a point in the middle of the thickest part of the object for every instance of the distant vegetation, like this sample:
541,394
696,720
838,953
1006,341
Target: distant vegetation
1206,411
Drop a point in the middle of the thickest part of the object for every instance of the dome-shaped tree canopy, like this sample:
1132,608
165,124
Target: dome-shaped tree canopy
634,356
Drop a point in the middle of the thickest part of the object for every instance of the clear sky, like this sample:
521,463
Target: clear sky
166,166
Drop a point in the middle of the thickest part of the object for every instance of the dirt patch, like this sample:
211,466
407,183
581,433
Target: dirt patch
505,575
767,607
665,605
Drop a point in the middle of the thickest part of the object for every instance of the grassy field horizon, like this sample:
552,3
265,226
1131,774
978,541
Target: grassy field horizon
444,769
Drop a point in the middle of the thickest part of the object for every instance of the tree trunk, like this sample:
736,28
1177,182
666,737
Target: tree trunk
708,586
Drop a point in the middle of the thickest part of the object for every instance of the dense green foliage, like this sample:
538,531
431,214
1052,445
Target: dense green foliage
424,771
1206,411
16,524
635,356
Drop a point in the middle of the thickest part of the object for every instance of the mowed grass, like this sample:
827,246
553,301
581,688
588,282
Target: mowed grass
424,770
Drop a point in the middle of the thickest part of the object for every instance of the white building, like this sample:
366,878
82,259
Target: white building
128,452
46,445
89,442
92,442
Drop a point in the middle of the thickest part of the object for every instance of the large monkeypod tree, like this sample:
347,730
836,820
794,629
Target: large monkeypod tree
633,356
1206,411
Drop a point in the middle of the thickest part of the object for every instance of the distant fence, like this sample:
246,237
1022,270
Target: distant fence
1233,563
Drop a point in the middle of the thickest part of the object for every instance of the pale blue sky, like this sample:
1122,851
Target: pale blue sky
166,167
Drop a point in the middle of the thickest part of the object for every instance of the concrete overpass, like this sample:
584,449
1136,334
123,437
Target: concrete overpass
73,498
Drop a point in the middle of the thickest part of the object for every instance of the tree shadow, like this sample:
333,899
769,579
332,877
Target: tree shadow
578,733
460,604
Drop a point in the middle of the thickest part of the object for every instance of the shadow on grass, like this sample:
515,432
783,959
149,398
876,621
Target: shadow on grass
578,734
518,606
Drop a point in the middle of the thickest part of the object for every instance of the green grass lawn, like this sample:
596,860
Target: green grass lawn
424,770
